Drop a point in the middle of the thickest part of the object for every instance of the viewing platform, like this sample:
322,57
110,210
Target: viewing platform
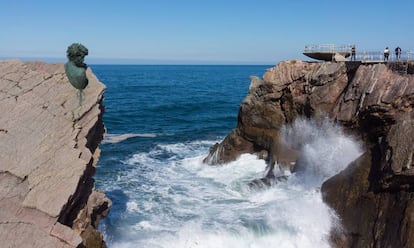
330,52
327,52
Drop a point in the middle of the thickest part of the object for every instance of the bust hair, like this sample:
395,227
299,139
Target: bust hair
76,50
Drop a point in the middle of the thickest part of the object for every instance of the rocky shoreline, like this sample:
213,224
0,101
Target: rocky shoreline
50,145
373,196
49,148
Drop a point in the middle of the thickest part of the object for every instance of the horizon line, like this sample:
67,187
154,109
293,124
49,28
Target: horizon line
131,61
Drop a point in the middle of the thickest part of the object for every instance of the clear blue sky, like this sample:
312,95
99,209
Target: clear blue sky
199,31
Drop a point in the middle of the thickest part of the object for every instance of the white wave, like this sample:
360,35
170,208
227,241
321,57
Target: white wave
116,138
325,149
132,206
189,149
246,167
174,200
146,225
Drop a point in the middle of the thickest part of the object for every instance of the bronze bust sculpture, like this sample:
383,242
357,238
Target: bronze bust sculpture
75,68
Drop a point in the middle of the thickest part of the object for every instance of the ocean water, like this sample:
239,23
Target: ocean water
161,122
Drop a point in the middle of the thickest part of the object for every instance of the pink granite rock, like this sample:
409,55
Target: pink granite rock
49,147
374,195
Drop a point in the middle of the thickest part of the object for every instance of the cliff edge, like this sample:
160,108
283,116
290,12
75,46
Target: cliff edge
49,149
374,195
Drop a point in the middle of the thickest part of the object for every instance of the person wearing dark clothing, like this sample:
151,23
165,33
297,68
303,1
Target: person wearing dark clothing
386,53
398,53
353,53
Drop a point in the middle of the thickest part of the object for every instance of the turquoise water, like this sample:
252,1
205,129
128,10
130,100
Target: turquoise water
161,122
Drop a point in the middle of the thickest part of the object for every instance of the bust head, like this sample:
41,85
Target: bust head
75,68
76,54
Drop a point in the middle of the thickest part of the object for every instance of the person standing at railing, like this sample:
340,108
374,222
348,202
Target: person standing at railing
386,53
353,53
398,53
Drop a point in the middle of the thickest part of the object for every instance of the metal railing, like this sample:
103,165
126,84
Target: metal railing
364,56
327,48
376,56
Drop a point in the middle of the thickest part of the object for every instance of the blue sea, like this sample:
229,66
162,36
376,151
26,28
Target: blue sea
161,121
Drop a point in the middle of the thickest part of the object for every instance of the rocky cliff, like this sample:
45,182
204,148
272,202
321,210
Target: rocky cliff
374,195
48,152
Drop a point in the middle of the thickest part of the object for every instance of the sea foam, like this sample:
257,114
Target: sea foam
174,200
116,138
